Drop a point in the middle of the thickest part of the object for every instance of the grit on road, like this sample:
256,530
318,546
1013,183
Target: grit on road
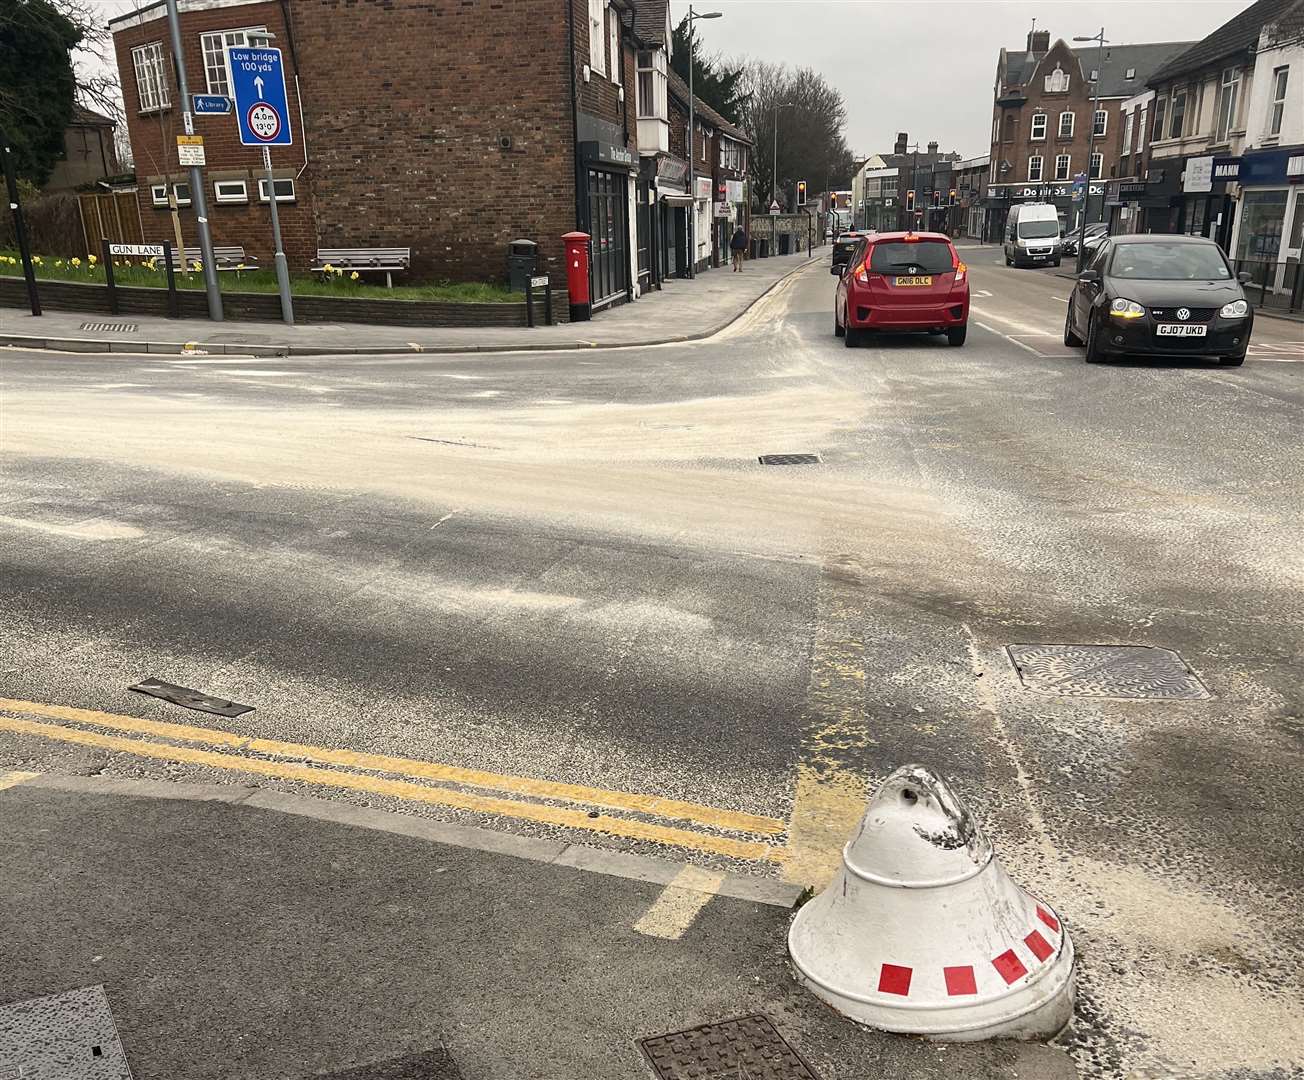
558,594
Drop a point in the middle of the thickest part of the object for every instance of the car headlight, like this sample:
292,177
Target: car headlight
1126,309
1237,309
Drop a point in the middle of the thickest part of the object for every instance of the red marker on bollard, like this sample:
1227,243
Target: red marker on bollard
577,275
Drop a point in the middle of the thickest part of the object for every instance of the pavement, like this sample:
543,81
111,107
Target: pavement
554,596
680,311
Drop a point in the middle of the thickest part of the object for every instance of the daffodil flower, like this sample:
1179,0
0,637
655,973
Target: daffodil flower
353,276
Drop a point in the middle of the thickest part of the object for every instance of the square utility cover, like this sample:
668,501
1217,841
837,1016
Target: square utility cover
68,1036
1129,672
748,1047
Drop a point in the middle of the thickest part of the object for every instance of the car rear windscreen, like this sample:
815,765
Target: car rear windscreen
920,257
1169,262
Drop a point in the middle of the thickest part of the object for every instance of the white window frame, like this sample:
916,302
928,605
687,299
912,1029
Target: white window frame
1277,106
1173,114
230,197
598,36
1100,123
1064,172
1057,82
1045,122
1229,101
1129,120
1096,169
158,194
613,45
1073,120
262,189
213,46
1039,168
658,107
153,93
996,131
1143,118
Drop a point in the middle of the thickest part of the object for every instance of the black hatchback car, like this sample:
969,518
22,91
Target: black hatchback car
843,246
1160,295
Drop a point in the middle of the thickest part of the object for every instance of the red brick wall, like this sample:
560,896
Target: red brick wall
153,143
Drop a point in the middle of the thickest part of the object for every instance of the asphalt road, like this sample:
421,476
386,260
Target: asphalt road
571,567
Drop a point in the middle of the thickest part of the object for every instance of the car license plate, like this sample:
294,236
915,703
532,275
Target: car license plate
904,281
1180,330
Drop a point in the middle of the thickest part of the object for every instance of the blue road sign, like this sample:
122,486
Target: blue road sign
210,104
258,86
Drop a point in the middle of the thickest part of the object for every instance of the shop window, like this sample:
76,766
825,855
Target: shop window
1263,214
152,90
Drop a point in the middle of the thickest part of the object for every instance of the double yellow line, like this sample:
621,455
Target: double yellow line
274,765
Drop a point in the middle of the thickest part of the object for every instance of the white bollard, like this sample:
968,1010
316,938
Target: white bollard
924,933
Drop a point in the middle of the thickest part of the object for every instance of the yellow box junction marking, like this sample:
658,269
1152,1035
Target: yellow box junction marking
655,805
675,909
401,789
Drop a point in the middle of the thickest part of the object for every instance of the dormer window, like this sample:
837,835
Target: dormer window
1057,82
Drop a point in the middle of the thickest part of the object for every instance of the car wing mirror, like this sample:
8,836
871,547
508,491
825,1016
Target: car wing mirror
1244,277
1091,277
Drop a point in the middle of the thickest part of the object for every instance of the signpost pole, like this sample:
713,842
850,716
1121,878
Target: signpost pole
107,255
282,269
20,228
197,194
529,302
173,307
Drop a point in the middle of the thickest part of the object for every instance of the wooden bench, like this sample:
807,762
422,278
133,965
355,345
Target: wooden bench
387,261
230,257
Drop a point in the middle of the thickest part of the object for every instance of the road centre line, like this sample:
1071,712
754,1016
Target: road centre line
402,789
1012,341
408,767
1019,327
678,904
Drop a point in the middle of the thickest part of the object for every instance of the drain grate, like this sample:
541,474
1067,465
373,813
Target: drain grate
1130,672
430,1065
749,1046
190,699
62,1035
789,459
110,327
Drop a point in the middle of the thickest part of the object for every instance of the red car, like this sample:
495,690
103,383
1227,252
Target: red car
903,281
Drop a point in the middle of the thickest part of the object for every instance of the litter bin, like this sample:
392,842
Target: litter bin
522,257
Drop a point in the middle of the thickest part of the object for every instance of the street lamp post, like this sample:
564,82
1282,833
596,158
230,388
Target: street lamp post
693,16
1091,144
774,174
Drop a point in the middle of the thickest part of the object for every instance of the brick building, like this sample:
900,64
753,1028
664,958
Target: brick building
1043,116
447,127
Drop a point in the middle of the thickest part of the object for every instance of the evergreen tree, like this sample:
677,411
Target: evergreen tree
714,82
37,86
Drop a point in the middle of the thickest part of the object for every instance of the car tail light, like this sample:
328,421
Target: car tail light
960,271
861,273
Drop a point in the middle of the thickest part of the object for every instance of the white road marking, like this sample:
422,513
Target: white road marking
82,530
13,779
983,292
1023,328
675,909
1061,299
445,518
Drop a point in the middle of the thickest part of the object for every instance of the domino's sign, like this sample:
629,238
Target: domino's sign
258,87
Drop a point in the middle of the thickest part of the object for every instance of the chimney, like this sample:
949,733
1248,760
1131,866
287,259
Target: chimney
932,149
1039,42
902,139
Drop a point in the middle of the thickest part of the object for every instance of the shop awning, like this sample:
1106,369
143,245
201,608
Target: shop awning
678,200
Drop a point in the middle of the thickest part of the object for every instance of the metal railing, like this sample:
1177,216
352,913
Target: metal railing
1275,286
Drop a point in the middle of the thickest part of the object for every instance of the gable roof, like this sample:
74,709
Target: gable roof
1239,35
1020,66
650,19
679,89
84,117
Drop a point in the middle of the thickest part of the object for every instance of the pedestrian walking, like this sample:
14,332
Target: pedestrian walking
737,246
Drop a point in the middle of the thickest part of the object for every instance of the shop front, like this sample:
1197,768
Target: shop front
606,170
673,204
1269,234
729,213
1207,206
1000,197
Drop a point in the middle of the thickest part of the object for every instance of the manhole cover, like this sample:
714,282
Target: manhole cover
1132,672
190,699
789,459
110,327
69,1036
430,1065
749,1047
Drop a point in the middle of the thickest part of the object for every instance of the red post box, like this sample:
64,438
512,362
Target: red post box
577,275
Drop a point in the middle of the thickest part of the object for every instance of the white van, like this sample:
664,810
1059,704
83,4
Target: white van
1032,235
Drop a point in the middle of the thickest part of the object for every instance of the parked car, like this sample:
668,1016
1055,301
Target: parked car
843,246
903,281
1095,232
1160,295
1032,235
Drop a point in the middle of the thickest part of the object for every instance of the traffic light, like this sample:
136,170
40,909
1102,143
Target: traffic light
953,198
801,192
910,199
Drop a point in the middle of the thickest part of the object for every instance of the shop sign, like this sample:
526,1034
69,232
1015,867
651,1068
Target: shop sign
1271,167
734,191
674,171
606,153
703,185
1226,169
1198,175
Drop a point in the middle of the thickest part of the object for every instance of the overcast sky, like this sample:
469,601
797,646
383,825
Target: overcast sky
927,66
